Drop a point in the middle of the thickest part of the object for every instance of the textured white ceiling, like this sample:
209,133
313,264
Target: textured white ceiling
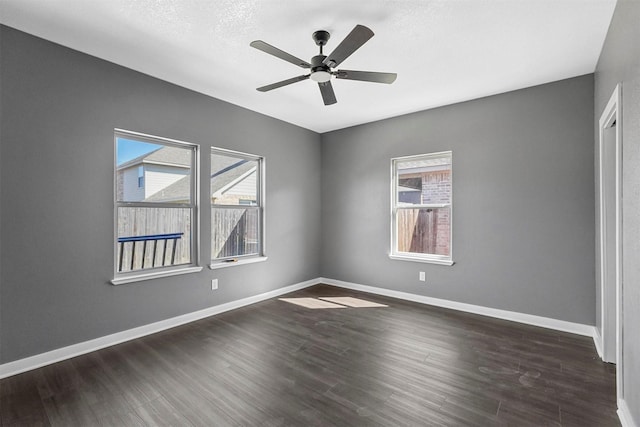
444,51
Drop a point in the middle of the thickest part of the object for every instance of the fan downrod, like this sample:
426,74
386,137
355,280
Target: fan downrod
321,37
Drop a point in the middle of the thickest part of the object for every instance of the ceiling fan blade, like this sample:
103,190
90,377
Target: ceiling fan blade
271,50
328,96
366,76
282,83
356,38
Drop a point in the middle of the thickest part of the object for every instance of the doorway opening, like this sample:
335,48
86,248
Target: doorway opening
609,322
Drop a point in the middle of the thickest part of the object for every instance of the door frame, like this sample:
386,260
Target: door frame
612,114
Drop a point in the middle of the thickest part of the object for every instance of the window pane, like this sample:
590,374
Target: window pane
234,180
424,231
153,172
234,232
153,237
424,181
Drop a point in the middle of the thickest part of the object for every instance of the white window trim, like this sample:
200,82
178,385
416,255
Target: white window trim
411,256
166,271
154,275
234,262
408,256
262,252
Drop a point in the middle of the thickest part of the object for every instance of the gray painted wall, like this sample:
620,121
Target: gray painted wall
523,234
620,63
1,239
59,110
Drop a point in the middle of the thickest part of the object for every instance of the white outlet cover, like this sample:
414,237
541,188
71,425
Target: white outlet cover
214,284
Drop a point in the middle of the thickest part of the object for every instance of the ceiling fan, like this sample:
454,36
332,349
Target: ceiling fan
322,65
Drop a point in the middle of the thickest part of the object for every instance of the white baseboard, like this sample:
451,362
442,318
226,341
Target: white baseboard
597,341
43,359
625,415
529,319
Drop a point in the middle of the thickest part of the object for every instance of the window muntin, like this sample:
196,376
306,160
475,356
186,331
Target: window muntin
236,205
422,207
156,216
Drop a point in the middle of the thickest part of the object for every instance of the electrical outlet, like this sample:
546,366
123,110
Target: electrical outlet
422,277
214,284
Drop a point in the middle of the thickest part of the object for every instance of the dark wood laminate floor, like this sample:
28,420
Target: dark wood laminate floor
278,364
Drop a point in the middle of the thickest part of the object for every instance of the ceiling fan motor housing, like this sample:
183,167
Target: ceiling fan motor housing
320,72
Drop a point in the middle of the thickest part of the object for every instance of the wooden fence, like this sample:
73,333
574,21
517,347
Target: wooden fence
424,231
234,232
147,221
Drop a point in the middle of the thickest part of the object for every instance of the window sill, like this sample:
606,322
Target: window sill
154,275
215,266
447,262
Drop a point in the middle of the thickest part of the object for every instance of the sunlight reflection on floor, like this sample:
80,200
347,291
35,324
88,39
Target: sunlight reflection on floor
332,302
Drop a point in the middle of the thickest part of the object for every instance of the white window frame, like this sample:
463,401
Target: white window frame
231,261
166,271
413,256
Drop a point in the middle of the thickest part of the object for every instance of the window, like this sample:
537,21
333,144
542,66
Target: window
140,176
237,204
156,207
421,208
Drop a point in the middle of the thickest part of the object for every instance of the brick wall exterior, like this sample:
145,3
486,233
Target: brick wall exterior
436,188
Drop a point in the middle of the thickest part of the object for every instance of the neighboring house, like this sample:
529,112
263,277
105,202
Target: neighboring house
143,177
162,175
233,181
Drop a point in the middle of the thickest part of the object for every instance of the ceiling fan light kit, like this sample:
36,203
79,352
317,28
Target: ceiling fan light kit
321,65
319,71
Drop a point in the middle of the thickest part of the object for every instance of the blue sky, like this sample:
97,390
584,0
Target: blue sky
129,149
